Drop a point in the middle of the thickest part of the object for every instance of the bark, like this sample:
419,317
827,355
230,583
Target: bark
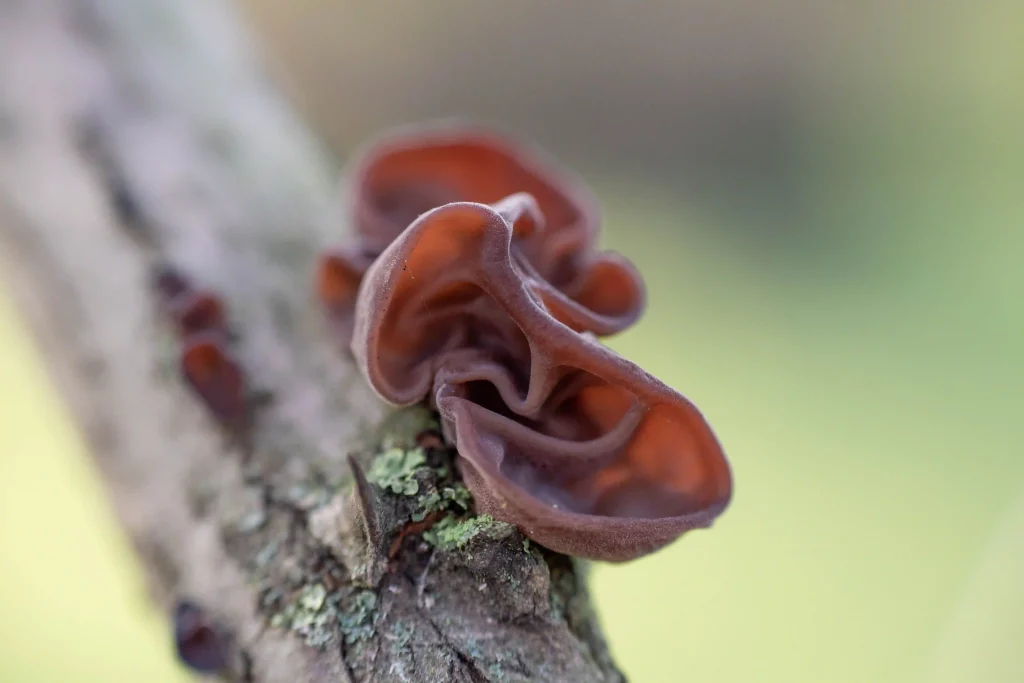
139,133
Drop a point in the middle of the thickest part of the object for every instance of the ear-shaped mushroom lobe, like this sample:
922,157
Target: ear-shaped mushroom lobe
582,449
430,292
653,476
406,174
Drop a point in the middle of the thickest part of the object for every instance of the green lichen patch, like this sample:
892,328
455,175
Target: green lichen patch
415,473
254,521
447,498
452,534
395,469
320,616
309,495
356,616
266,554
400,636
457,495
313,614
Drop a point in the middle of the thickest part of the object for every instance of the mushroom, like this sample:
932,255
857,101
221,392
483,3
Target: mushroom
215,376
406,173
206,361
477,308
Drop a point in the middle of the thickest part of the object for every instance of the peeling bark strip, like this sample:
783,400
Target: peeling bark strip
140,135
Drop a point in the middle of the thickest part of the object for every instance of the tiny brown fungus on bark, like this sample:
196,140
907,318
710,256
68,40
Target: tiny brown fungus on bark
215,376
206,361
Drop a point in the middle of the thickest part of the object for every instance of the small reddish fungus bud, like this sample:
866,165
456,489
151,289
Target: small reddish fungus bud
337,281
206,363
197,641
198,312
215,376
192,310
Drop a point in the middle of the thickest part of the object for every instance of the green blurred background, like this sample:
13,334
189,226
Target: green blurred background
828,205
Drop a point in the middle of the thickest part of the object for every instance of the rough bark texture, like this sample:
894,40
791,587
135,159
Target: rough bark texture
141,132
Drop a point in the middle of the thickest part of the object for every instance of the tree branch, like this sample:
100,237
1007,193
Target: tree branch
140,134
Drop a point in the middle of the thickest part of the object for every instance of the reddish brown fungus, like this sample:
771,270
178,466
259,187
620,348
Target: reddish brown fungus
215,376
191,309
405,174
198,643
206,362
198,312
491,312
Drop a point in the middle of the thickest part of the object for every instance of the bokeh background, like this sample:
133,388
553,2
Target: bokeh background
827,200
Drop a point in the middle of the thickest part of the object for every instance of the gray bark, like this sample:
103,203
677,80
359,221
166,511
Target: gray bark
135,133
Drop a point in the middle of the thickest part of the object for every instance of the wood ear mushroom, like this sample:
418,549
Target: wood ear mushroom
488,306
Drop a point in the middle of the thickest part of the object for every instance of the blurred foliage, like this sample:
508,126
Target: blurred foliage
982,641
838,287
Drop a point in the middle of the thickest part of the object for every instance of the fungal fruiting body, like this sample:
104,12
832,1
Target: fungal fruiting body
405,173
215,376
489,307
197,641
206,361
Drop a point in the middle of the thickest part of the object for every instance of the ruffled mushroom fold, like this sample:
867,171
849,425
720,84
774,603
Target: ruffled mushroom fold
402,175
478,308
